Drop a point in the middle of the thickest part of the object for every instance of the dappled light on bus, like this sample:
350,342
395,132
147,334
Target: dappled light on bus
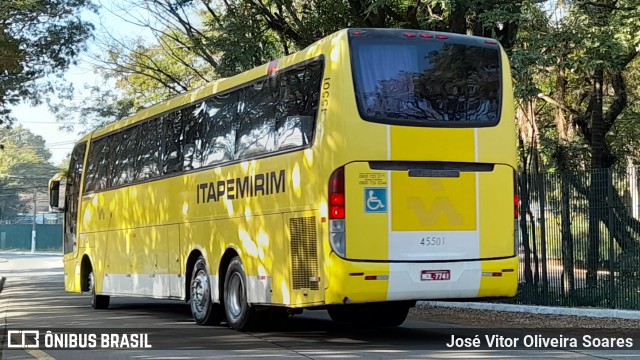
87,216
185,208
262,271
247,212
228,204
336,50
333,143
263,243
286,296
244,166
295,179
324,208
308,158
247,243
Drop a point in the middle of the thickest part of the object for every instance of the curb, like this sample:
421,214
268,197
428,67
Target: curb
534,309
39,253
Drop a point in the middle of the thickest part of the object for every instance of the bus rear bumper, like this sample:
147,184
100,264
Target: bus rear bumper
362,282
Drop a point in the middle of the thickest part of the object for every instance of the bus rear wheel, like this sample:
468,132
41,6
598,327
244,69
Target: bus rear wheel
340,314
378,315
203,309
97,301
240,316
391,316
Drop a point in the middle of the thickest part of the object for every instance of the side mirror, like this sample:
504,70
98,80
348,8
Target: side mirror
54,193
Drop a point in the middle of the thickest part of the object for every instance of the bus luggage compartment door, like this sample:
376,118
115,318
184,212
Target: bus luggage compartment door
418,211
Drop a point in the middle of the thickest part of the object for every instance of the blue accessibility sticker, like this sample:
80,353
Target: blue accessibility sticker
375,200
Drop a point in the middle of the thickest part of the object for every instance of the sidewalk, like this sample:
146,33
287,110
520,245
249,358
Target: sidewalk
536,309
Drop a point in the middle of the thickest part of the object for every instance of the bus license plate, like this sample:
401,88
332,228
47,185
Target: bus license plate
430,275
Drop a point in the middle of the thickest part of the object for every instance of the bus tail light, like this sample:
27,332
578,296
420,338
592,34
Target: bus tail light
516,198
336,195
337,212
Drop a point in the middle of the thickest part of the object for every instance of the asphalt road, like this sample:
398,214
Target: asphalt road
33,298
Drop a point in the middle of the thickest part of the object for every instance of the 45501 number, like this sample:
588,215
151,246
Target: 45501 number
433,241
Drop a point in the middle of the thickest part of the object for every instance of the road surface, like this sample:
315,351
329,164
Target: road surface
33,297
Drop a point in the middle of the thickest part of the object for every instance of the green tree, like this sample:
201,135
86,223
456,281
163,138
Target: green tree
37,39
101,108
595,52
24,169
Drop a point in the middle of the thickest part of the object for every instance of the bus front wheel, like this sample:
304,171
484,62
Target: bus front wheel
203,309
97,301
240,315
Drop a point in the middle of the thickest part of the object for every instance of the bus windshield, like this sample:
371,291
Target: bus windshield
426,82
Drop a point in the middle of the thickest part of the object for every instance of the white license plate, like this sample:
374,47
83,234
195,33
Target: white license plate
431,275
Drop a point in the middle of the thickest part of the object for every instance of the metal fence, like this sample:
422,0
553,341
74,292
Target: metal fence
19,236
580,239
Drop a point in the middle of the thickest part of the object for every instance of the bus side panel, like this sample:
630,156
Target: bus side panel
117,277
259,244
501,240
206,237
303,239
71,274
367,232
347,281
97,255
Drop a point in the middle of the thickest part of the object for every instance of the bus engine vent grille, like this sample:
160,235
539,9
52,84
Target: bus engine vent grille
304,253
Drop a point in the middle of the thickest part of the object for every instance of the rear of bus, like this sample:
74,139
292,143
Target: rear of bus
421,204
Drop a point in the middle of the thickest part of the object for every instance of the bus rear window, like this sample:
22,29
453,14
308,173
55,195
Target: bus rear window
426,83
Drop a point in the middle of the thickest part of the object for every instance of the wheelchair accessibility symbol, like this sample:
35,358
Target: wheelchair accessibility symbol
375,200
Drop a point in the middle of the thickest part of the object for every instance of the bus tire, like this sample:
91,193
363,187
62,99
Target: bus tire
381,315
340,314
97,301
392,316
240,315
203,309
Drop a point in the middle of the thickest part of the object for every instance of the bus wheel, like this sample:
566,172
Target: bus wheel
382,315
340,314
240,315
392,316
203,309
97,301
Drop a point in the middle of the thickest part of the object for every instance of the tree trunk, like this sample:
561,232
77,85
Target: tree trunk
598,186
562,158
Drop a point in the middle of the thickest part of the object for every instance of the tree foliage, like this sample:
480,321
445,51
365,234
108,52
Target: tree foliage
24,168
37,39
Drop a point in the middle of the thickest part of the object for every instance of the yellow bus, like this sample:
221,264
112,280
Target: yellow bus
370,170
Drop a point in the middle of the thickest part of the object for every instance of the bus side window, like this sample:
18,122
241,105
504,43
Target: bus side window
219,129
149,147
298,105
293,133
256,133
172,157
